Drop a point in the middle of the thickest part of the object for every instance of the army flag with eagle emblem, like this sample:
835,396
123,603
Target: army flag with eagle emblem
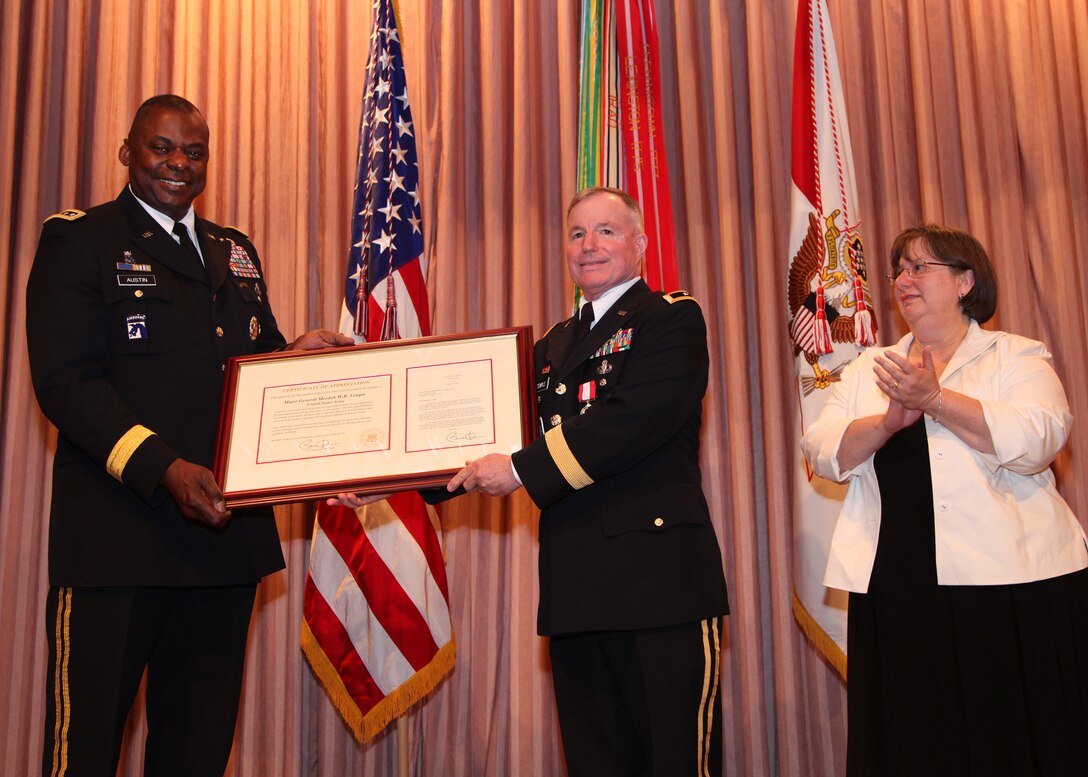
829,305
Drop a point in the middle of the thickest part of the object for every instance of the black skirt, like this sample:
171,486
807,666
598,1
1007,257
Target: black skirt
982,681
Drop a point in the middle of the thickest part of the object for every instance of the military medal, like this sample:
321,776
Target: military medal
130,264
621,341
240,263
587,392
254,328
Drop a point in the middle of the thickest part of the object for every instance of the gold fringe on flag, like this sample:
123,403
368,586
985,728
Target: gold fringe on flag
366,727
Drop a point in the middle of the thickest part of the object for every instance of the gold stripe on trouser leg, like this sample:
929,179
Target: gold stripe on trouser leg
711,661
62,702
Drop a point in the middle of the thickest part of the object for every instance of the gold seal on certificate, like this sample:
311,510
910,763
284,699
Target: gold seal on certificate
372,439
371,418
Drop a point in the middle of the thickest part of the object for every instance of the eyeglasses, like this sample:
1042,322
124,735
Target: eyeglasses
914,269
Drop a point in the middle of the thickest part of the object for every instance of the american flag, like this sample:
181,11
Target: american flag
385,296
376,625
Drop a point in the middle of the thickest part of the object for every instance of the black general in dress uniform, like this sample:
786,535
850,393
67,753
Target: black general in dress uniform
631,583
129,327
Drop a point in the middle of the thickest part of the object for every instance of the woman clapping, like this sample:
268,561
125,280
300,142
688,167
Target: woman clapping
968,621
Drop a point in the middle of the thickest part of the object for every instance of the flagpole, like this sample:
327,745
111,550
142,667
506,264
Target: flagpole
402,746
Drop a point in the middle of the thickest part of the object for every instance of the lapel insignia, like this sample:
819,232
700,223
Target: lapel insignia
147,234
254,328
240,263
136,326
621,341
621,313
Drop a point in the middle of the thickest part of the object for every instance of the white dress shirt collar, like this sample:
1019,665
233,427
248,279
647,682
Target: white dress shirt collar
604,303
167,223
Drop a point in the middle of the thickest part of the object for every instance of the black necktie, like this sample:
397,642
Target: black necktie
585,321
187,244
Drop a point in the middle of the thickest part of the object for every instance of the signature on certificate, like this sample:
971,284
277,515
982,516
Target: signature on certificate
316,444
455,436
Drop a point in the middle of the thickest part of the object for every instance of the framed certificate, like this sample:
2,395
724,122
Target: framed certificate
371,418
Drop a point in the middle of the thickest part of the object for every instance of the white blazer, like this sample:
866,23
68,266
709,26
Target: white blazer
998,518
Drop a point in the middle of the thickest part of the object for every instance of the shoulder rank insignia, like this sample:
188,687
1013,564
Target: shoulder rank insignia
240,263
679,296
68,215
235,229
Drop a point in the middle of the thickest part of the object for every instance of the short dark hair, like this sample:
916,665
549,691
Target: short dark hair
171,101
628,200
963,252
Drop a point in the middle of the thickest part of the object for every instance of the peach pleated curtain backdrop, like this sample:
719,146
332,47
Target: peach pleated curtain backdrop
968,112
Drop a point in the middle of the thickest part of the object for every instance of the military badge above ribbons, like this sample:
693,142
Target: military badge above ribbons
829,304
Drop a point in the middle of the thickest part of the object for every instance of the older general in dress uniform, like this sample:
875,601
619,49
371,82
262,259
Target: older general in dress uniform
631,584
133,308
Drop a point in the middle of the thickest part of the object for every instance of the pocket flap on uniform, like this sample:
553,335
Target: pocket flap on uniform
247,289
656,510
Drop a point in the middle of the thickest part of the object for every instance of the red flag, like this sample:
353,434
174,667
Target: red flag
376,625
620,138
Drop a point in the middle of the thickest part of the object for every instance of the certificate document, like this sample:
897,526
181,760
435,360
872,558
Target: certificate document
371,418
